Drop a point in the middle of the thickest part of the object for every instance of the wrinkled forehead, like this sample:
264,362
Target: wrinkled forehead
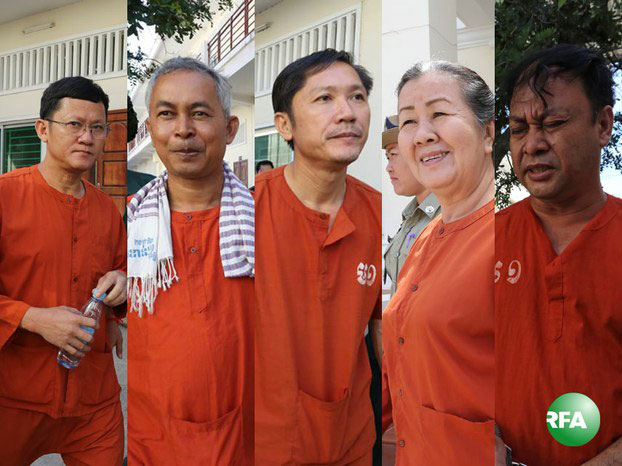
557,91
524,96
183,85
431,86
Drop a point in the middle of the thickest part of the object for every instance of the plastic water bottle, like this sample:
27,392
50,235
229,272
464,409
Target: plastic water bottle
94,309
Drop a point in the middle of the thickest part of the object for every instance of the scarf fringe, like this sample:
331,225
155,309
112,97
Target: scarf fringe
143,291
166,273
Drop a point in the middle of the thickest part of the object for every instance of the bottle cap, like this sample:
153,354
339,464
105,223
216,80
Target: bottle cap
101,298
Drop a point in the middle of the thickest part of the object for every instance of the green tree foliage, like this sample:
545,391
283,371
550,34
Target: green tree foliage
174,19
132,120
522,26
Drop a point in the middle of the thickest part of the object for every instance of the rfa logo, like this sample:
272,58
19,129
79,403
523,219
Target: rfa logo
573,419
559,420
366,274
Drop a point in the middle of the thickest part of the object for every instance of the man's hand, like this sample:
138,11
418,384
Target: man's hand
113,283
115,337
60,326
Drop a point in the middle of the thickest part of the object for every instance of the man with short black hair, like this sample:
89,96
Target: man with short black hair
318,272
60,237
263,166
558,306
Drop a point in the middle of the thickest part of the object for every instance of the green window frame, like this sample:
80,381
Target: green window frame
274,148
21,147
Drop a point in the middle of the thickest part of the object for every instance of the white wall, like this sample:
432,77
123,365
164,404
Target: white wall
24,105
93,15
246,150
481,59
153,166
69,20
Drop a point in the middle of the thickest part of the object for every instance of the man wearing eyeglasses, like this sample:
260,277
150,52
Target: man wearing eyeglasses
60,237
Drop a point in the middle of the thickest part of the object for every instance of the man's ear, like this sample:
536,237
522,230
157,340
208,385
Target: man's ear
283,125
232,128
42,127
148,124
604,120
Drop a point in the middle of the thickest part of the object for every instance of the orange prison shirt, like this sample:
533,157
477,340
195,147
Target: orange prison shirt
316,292
190,372
558,330
438,338
53,250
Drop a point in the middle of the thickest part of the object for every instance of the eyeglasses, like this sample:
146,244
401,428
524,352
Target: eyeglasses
77,128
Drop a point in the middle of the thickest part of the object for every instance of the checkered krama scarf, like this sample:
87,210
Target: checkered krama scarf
150,248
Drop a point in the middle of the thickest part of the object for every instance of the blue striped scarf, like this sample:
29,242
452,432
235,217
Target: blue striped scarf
150,250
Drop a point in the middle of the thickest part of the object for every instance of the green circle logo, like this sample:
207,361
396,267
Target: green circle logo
573,419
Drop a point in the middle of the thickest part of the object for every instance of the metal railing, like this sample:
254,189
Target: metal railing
239,25
91,55
340,32
141,134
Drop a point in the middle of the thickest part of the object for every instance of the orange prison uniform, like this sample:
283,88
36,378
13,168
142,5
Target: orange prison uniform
53,250
558,330
316,292
190,373
438,338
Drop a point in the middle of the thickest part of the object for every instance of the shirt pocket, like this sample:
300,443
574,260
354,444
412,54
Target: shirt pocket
29,373
217,442
450,439
320,428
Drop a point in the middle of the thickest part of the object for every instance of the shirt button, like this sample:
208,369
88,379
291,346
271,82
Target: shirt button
402,443
400,340
75,279
323,216
397,254
193,250
441,231
188,217
415,287
400,392
75,240
69,200
429,209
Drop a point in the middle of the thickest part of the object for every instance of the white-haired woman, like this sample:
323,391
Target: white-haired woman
438,330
